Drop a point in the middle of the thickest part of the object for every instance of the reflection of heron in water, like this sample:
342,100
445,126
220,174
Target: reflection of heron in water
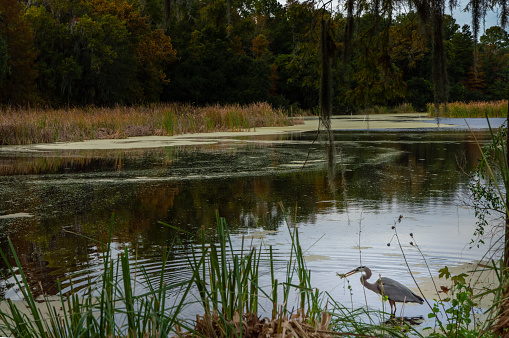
395,291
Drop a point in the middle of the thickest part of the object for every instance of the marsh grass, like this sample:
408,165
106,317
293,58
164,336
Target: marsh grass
489,193
226,282
471,109
107,311
33,125
229,282
229,289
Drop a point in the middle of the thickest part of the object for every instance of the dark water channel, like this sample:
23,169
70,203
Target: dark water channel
51,201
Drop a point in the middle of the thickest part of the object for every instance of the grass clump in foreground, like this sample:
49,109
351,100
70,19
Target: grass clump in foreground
471,109
225,282
34,125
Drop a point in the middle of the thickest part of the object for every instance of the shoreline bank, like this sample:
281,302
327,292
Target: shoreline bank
343,122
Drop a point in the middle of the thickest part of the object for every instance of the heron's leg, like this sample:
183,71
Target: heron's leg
393,303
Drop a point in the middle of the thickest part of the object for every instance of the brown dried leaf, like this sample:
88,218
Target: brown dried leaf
445,289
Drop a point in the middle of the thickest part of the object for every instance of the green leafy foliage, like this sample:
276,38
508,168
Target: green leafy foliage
99,52
237,51
3,57
458,308
495,62
488,203
17,56
107,58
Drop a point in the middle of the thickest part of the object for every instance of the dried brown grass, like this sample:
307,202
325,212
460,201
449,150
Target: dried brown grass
34,125
253,326
470,109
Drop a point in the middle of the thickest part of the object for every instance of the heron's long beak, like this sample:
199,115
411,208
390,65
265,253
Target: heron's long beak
350,273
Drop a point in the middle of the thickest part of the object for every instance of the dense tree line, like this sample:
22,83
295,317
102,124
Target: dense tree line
105,52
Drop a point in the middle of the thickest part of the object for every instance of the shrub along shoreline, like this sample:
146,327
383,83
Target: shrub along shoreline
35,125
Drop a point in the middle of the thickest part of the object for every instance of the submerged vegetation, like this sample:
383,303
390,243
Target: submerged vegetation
29,126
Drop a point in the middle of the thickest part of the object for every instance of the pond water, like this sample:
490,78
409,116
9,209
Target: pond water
53,202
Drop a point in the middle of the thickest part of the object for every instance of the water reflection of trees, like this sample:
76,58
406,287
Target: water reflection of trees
379,170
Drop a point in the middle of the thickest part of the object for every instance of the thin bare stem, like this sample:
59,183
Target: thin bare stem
410,271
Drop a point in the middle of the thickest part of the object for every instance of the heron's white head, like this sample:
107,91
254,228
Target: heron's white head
354,271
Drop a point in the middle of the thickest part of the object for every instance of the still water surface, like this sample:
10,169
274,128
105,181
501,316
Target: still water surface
53,202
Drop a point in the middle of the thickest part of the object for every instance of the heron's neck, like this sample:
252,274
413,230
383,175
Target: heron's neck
364,280
366,274
366,284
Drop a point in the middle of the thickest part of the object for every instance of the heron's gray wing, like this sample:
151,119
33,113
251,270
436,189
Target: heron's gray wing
398,292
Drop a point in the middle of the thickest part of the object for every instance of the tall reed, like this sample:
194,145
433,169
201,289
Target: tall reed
112,309
34,125
227,283
470,109
489,188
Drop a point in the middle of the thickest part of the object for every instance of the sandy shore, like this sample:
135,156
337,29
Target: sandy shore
479,277
53,302
343,122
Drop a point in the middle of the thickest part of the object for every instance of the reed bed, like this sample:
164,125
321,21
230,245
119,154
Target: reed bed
470,109
227,282
34,125
228,285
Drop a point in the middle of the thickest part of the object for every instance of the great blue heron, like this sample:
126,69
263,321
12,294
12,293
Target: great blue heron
395,291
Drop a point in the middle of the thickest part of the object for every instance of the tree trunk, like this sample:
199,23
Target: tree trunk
440,80
325,75
326,53
347,48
